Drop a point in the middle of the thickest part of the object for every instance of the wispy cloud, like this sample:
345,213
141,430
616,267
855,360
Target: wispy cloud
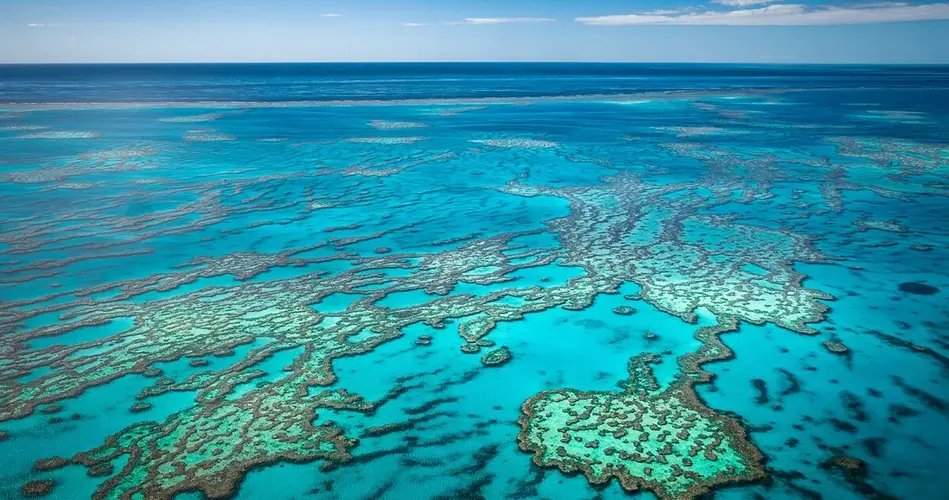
504,20
742,3
782,15
486,21
40,25
331,15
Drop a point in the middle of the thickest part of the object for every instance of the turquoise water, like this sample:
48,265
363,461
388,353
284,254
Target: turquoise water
471,281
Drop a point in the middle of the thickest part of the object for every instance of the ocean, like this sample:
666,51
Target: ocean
474,280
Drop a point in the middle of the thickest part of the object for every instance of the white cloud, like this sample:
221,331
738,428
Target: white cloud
487,21
504,20
784,15
39,25
742,3
671,11
331,15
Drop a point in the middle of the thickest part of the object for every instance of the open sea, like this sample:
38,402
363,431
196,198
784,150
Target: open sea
474,281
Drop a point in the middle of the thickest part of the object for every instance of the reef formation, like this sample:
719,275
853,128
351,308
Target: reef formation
214,321
349,286
662,440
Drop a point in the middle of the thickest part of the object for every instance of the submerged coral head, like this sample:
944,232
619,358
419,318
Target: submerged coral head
918,288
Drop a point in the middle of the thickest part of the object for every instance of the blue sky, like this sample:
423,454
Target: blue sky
781,31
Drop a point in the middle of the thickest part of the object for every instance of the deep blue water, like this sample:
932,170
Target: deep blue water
357,81
215,279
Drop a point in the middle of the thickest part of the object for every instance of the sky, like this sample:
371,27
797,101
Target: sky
750,31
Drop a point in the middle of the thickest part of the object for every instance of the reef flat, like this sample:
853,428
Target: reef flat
730,292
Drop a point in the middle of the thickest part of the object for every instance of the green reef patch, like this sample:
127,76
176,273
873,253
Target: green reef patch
665,441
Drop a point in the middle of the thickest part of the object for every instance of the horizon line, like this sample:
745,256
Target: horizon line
199,63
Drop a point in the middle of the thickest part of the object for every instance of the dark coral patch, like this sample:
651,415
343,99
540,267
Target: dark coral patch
423,340
855,472
497,357
140,407
836,347
762,389
918,288
851,466
51,409
48,464
624,310
100,470
36,489
470,348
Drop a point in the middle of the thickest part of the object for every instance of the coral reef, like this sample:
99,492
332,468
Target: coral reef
214,323
37,489
517,143
270,423
140,407
497,357
392,125
210,138
624,310
836,347
60,135
666,442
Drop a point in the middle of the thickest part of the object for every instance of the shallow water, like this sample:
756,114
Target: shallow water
459,288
